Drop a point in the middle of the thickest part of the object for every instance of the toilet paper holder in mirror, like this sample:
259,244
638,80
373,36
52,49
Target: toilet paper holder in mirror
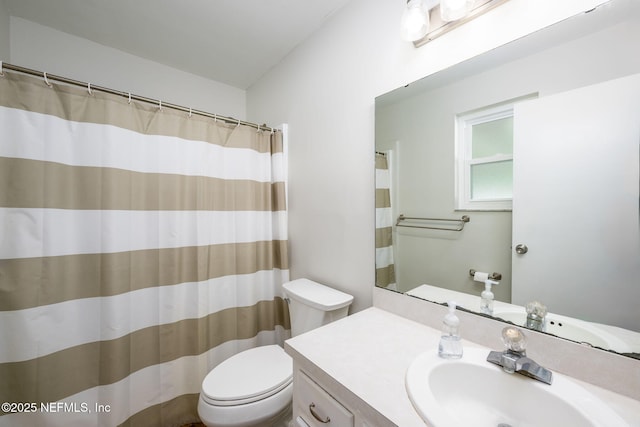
492,276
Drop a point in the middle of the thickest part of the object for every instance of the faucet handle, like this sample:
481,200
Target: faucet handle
514,339
536,308
536,313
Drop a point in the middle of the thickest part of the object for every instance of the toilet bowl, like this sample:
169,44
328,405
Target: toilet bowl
254,388
242,392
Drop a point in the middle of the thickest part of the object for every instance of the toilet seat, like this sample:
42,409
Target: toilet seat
249,376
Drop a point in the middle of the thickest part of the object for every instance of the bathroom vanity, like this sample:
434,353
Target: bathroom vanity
353,372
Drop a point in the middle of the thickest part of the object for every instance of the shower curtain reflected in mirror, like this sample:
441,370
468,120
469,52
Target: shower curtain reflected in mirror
140,247
385,268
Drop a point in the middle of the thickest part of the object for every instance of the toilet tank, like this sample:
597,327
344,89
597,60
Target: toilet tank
312,305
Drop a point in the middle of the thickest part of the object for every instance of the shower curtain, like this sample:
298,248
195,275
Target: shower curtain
385,268
140,246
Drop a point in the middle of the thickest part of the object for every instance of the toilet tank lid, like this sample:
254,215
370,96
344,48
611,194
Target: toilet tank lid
316,295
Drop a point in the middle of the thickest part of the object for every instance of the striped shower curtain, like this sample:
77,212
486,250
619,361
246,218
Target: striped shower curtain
385,268
140,247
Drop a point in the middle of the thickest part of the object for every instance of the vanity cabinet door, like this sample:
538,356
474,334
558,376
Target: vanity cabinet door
317,407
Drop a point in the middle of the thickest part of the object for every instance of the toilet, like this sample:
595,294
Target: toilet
254,388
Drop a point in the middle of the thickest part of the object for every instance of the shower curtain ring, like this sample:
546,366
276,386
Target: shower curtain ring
1,70
89,89
190,112
46,80
129,102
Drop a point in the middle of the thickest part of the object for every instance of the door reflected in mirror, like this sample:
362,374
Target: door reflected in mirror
574,93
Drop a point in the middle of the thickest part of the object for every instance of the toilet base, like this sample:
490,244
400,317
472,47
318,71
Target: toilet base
284,419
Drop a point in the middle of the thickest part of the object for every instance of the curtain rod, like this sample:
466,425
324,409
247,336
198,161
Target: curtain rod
128,95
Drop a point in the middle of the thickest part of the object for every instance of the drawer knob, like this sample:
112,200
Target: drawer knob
312,409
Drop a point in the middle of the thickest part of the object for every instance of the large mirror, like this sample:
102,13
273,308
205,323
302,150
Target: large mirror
522,163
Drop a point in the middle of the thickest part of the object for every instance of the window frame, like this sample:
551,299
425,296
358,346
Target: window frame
464,161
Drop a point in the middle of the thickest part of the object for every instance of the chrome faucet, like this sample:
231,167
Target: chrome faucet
514,358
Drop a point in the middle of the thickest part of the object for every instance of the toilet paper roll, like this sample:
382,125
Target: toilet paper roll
479,276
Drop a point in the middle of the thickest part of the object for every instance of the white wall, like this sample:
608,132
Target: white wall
325,90
4,32
45,49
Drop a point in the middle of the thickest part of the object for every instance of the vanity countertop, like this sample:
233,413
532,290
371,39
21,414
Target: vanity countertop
369,352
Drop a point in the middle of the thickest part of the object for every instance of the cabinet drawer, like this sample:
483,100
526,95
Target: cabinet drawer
317,407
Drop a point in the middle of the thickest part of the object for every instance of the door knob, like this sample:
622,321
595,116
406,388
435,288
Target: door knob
521,249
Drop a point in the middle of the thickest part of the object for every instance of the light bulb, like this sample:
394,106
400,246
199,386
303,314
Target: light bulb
415,21
452,10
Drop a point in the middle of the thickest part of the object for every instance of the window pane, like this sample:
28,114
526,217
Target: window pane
492,180
494,137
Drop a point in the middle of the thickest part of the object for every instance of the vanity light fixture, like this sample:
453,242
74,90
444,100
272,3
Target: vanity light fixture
452,10
415,20
425,20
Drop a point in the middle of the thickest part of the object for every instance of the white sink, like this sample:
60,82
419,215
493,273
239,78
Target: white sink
569,328
473,392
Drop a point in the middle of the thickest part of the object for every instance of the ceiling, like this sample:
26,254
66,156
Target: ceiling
230,41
